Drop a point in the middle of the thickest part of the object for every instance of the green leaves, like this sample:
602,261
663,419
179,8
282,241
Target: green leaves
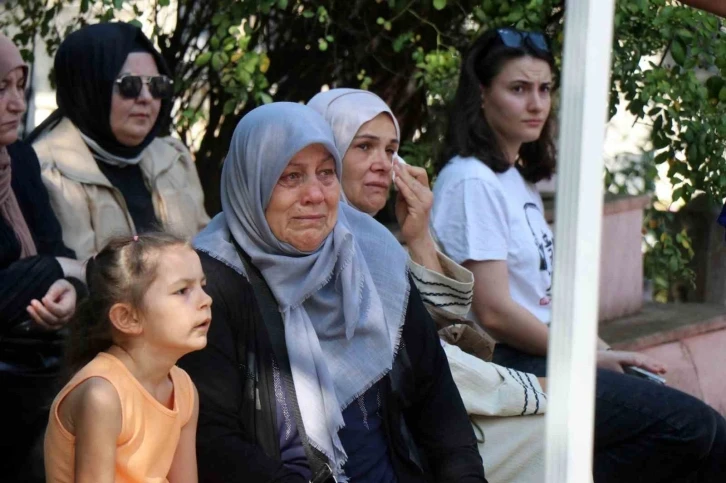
715,85
219,60
684,103
229,107
251,52
668,255
678,51
203,59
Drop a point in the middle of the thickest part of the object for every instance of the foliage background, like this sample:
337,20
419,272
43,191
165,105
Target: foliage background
669,68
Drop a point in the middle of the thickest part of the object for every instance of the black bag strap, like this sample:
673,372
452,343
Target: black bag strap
319,467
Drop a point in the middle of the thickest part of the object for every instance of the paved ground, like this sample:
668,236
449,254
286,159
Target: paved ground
662,323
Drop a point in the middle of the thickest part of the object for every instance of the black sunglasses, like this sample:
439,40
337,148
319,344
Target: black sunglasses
160,86
516,39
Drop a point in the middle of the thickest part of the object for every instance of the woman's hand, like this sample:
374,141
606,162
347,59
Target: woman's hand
413,202
615,360
543,383
56,308
413,205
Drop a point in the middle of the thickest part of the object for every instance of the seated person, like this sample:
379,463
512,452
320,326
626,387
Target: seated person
367,133
107,170
126,413
321,357
35,293
489,216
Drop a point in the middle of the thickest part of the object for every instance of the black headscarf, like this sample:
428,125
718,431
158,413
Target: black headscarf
86,65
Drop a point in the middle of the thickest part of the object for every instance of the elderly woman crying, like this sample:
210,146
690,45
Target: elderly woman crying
322,363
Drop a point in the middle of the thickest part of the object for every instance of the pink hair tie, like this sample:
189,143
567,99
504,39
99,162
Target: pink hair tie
136,237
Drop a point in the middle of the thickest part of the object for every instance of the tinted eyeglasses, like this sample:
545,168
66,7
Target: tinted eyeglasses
160,86
517,39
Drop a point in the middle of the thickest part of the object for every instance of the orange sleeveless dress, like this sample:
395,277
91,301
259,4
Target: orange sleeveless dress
149,431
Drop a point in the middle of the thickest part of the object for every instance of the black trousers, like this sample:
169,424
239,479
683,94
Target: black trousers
25,401
644,432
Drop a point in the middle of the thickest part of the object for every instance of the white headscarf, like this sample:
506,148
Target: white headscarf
344,304
346,110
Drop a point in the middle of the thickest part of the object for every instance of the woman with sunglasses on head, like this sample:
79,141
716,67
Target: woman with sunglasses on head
489,217
107,170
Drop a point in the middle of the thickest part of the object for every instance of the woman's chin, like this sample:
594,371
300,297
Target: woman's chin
532,135
309,242
131,142
7,138
372,204
307,246
134,135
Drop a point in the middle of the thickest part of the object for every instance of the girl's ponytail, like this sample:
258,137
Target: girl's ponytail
88,335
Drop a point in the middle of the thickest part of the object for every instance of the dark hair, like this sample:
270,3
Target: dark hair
469,134
121,272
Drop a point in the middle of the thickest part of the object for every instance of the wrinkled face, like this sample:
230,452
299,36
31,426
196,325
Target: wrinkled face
303,207
12,105
133,119
177,311
517,102
368,162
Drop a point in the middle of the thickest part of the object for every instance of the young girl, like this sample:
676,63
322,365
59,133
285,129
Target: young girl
129,414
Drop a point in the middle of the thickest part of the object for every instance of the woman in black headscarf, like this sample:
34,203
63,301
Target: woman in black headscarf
107,171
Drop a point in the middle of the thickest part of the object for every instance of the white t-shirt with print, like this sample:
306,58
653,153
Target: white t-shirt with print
481,215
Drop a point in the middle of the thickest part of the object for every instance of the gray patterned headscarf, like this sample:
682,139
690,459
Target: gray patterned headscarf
344,304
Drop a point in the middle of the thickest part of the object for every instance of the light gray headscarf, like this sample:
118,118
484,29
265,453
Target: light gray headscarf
344,304
346,110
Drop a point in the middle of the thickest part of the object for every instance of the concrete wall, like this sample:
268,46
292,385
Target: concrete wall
621,258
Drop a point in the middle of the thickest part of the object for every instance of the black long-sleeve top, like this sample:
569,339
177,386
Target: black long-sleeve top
130,182
29,278
427,429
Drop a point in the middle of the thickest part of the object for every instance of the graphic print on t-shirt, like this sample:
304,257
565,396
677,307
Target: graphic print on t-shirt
545,246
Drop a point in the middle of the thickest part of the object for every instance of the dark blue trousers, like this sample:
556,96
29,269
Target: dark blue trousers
644,432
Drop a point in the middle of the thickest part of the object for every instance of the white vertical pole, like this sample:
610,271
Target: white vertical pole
578,217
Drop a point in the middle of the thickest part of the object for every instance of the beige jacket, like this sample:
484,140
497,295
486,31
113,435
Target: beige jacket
91,210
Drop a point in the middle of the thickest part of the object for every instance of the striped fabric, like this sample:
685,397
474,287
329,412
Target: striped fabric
491,390
451,291
487,389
